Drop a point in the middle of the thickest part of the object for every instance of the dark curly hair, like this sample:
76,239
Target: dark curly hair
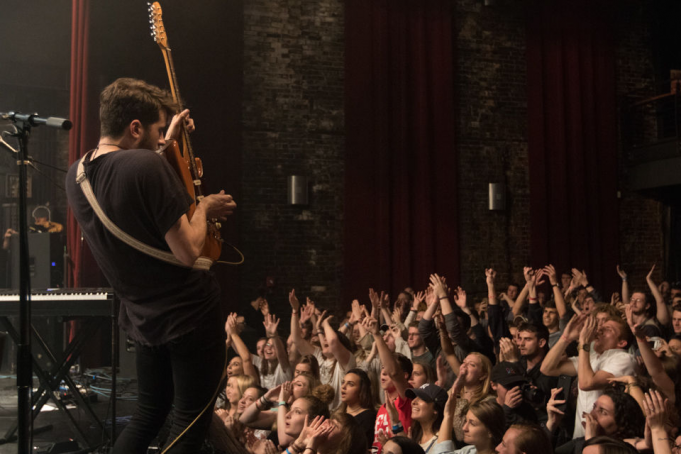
628,414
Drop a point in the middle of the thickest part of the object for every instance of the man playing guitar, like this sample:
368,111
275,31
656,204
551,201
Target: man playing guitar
171,311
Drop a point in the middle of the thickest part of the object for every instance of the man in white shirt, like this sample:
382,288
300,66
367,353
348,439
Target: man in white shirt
602,355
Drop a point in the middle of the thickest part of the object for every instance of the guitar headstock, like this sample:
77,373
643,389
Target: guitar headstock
158,31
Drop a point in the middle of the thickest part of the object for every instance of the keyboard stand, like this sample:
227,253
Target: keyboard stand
50,380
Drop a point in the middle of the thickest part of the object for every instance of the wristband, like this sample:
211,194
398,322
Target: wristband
624,279
443,298
413,310
564,337
491,296
287,451
283,403
295,312
533,299
554,285
272,336
397,428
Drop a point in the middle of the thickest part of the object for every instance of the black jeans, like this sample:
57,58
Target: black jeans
183,375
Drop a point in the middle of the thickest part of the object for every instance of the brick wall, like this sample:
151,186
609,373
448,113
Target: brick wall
491,136
293,125
641,234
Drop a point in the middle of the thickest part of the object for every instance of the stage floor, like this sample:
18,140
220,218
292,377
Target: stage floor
61,430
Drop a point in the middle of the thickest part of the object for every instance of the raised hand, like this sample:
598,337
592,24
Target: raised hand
230,324
306,313
555,415
635,328
308,430
431,297
385,300
418,298
528,272
272,394
374,298
649,276
588,331
450,405
293,300
550,271
371,325
320,435
286,391
537,280
509,350
514,397
264,307
397,314
655,409
490,275
392,411
320,319
574,327
438,285
356,311
622,274
460,298
590,426
271,324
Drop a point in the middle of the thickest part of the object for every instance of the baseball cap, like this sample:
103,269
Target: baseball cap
507,373
429,393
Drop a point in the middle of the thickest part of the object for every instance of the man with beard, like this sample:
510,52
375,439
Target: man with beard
602,355
172,312
533,347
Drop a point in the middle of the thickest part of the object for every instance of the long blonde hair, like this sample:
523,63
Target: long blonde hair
486,386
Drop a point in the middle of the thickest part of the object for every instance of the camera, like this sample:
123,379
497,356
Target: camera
532,394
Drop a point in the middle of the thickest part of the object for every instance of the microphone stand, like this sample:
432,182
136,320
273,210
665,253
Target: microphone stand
23,124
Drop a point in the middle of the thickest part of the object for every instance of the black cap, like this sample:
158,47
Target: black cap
507,373
429,393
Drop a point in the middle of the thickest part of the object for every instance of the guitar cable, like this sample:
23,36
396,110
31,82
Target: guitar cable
210,403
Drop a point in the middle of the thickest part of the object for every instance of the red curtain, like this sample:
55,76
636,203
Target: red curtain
83,270
400,172
573,139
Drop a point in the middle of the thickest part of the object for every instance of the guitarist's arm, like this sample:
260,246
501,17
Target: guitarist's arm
186,238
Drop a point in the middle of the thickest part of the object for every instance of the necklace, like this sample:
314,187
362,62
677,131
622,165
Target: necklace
104,145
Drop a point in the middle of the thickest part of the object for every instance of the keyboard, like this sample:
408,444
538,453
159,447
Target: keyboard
76,302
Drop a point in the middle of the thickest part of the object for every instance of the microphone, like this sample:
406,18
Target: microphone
35,120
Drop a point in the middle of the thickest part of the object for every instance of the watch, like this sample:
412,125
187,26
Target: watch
586,348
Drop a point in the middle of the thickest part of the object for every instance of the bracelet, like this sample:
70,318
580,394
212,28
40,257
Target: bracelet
397,428
443,298
413,310
287,451
310,449
282,403
272,336
295,312
491,296
624,279
554,285
533,299
294,447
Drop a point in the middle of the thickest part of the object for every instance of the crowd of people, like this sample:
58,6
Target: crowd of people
524,370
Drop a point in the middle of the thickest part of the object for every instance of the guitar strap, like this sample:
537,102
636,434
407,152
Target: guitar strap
202,263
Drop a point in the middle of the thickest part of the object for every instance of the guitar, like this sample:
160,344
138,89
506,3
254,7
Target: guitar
182,158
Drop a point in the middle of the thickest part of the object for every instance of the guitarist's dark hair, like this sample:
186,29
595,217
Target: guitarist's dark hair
128,99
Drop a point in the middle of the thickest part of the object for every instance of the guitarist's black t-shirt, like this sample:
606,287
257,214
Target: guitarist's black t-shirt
143,196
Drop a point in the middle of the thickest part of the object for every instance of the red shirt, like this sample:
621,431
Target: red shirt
403,407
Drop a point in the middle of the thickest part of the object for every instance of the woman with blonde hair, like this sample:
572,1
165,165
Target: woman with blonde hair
471,386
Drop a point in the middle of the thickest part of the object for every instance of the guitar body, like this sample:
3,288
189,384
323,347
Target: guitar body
212,247
181,158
